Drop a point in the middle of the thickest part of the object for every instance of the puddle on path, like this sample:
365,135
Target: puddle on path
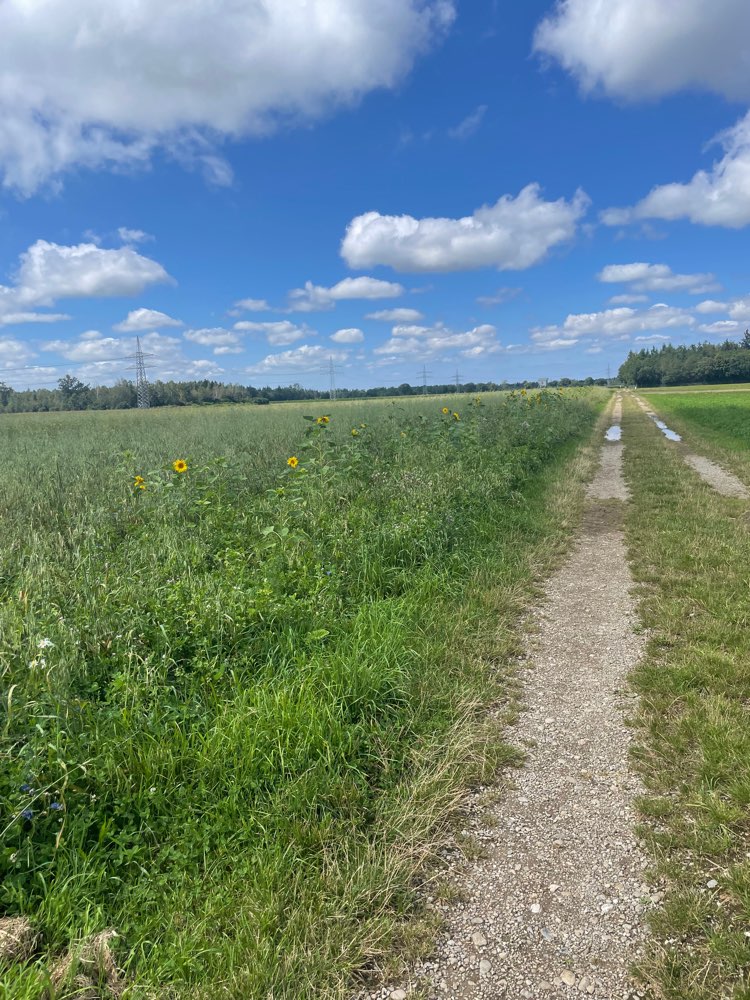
670,435
614,433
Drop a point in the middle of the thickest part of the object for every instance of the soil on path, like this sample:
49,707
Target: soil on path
554,905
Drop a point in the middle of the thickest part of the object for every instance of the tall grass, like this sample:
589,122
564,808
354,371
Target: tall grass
236,702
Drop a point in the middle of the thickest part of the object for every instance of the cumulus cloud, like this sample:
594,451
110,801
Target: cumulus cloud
423,342
302,358
187,75
276,333
396,315
722,328
349,336
512,234
657,278
252,305
133,235
649,48
48,272
222,341
14,353
314,298
716,197
145,319
470,124
621,323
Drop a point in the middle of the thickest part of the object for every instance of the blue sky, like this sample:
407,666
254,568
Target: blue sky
255,187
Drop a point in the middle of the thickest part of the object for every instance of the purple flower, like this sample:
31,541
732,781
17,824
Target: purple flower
25,788
28,814
56,806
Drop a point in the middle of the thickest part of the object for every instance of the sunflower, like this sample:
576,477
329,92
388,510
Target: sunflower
323,421
456,416
445,411
355,432
292,462
179,465
139,481
141,486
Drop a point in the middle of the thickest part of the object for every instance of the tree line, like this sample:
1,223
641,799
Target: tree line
691,365
73,394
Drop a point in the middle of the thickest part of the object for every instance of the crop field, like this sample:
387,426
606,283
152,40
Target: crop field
243,654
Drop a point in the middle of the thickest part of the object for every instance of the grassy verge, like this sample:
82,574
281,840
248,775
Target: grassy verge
690,551
712,423
237,713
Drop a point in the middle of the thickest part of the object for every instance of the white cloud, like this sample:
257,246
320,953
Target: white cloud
653,338
470,124
724,327
711,306
306,357
349,336
222,341
133,235
252,305
16,318
146,319
396,315
626,300
276,333
619,323
94,84
313,298
716,197
13,354
501,296
423,342
512,234
657,278
48,271
91,346
649,48
739,309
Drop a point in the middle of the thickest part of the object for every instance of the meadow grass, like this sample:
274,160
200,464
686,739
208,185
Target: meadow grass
239,704
690,552
713,422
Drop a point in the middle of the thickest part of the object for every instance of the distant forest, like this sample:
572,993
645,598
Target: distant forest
72,394
693,365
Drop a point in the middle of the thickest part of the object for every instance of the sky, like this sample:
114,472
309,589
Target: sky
265,190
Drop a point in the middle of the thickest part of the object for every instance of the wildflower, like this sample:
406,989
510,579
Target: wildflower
323,420
445,411
292,462
141,486
56,806
45,644
456,416
138,481
179,465
38,661
25,787
355,432
362,426
28,813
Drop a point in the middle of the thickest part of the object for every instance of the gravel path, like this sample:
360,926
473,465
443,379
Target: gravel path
554,904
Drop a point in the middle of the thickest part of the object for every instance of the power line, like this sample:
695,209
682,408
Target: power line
144,401
424,375
457,379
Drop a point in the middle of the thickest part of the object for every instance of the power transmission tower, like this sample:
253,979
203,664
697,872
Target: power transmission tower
332,379
457,379
144,401
424,375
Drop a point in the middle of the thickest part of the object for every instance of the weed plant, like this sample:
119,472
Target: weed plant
242,667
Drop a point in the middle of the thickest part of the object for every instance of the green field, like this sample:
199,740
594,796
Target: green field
238,701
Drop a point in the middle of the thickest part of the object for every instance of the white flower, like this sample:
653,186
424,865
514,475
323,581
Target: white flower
45,644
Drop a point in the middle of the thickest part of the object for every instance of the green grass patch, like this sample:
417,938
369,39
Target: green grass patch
690,550
239,704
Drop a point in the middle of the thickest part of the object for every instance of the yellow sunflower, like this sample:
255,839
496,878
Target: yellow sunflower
456,416
445,411
139,481
292,462
355,432
323,420
179,465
